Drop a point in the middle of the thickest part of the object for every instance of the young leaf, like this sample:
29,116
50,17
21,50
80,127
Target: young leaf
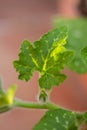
48,56
57,119
77,39
7,99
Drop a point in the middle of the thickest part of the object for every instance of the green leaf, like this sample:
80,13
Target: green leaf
77,40
25,65
85,117
47,55
84,54
57,119
52,75
48,80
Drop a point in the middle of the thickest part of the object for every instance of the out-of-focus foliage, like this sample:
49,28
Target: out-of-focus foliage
77,40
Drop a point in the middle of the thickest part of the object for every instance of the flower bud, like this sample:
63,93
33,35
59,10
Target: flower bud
43,96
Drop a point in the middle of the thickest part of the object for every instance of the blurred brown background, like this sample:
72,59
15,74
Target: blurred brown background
29,19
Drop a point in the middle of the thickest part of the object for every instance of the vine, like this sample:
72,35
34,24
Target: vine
49,56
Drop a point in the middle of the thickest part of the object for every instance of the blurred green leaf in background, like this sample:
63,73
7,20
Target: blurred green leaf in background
77,40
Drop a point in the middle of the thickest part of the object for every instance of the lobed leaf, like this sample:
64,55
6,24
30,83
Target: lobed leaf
47,55
57,119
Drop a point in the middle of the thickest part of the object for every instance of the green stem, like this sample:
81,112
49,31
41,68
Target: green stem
33,105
